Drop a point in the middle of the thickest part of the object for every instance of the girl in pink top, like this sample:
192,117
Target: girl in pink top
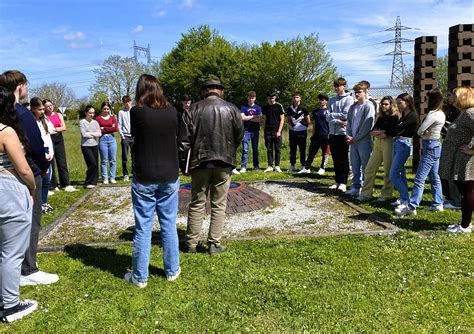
107,143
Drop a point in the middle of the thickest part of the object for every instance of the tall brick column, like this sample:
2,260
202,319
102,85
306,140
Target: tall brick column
424,79
461,56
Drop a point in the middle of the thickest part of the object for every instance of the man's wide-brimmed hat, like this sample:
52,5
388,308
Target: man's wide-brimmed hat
212,83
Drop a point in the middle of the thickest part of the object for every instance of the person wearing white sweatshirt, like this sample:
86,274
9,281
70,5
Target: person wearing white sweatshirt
430,132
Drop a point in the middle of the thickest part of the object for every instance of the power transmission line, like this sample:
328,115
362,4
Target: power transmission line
398,70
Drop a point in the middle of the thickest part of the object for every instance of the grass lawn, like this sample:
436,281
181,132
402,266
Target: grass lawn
419,280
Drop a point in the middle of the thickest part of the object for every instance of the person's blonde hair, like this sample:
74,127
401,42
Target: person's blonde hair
464,97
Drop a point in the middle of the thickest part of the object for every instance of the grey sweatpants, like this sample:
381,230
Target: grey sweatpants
15,224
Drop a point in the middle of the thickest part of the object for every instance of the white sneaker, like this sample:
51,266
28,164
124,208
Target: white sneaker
277,169
451,206
321,171
459,229
235,172
334,186
129,278
39,277
106,181
269,169
69,188
404,209
396,203
304,171
292,168
57,189
90,186
171,278
243,170
24,307
435,208
50,193
353,192
126,178
113,181
342,187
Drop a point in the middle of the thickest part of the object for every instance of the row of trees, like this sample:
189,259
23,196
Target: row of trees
301,63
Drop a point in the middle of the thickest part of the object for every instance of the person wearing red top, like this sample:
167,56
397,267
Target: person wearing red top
107,143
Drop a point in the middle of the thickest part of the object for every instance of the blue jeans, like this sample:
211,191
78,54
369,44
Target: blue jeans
108,153
401,151
359,155
250,136
46,183
146,198
428,167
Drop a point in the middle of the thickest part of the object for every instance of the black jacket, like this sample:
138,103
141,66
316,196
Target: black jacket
215,130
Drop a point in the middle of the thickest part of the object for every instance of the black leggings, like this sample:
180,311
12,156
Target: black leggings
466,189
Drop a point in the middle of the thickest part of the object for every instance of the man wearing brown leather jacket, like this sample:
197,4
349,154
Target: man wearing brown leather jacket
215,131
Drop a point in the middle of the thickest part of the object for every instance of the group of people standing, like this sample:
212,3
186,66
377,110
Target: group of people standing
202,141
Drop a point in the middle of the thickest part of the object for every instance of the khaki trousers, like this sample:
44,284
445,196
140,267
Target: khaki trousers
215,182
381,153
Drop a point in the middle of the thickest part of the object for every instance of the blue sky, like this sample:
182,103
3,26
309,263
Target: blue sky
62,41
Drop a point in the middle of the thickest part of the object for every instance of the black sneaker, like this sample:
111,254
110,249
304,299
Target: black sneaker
17,312
216,249
190,249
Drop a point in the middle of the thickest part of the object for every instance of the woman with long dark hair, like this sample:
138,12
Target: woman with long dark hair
16,180
155,183
90,134
430,132
457,157
46,128
402,145
385,124
107,144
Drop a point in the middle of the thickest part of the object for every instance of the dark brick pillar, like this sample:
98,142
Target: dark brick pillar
424,79
461,56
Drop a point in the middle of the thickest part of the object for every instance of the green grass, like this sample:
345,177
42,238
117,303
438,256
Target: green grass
419,280
402,283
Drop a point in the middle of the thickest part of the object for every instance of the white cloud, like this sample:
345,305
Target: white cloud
74,36
187,4
138,29
158,12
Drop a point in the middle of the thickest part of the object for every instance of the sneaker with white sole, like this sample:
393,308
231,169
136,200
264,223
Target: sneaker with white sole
334,186
39,277
278,169
342,187
130,279
321,171
126,178
69,188
105,181
24,307
90,186
451,206
292,168
243,170
459,229
50,193
353,192
171,278
438,208
396,202
304,171
235,172
404,210
268,169
113,181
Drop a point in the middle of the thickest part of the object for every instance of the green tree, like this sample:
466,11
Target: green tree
117,76
442,74
300,63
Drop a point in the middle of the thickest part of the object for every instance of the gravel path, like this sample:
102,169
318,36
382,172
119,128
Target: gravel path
298,209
